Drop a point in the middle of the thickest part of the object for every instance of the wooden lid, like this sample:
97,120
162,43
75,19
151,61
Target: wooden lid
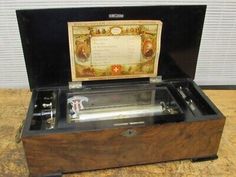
47,52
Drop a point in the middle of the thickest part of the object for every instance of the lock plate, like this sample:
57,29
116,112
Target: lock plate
129,133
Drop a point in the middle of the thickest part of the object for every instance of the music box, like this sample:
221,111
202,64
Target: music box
114,87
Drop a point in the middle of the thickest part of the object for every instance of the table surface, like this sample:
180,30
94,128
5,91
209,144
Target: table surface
13,107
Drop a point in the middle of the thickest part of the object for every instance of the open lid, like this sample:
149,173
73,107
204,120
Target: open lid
46,46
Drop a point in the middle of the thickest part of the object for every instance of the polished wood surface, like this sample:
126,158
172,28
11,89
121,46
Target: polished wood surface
14,104
83,151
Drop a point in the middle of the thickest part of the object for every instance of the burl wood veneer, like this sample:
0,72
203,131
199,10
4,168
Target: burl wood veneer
82,151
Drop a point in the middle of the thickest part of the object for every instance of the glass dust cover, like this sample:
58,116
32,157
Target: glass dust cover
114,49
120,103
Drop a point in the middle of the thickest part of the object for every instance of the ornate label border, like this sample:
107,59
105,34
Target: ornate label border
80,49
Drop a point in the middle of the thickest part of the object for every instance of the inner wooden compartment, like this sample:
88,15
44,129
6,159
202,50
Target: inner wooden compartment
120,97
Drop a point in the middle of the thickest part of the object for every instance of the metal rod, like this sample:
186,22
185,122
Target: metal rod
118,113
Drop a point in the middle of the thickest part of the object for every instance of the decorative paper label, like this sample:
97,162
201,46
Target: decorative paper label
114,49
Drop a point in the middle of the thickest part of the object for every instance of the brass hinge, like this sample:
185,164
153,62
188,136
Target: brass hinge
155,80
75,85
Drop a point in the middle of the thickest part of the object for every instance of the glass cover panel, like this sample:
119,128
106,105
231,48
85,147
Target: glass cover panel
120,104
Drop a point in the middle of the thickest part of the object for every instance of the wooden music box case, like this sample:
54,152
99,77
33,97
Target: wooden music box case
113,87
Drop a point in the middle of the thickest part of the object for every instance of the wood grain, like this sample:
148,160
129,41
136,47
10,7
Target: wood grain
82,151
14,104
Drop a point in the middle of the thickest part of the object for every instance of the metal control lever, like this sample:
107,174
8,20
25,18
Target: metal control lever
187,99
45,112
45,105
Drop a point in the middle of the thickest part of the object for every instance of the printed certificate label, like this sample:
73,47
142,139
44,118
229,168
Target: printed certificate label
114,49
